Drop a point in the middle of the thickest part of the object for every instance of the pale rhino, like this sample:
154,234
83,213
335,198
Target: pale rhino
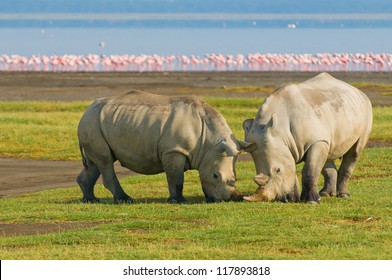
316,122
150,134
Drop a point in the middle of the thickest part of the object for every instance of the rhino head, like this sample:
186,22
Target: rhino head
217,172
275,165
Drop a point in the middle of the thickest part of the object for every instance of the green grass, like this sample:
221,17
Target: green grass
40,130
381,89
382,120
45,130
358,228
369,87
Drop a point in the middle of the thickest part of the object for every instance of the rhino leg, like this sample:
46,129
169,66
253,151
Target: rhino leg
110,181
349,161
174,167
104,159
330,177
296,196
87,179
316,157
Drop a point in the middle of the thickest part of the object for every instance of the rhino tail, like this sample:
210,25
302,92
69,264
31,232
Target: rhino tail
84,159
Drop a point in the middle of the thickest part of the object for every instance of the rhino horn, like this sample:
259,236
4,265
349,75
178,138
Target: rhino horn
246,146
223,146
257,196
251,198
261,179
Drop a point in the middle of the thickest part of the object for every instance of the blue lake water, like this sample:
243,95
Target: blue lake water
187,41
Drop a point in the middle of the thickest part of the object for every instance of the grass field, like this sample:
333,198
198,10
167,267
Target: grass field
358,228
47,130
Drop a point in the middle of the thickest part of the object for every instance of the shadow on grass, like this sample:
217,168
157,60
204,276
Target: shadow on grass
139,200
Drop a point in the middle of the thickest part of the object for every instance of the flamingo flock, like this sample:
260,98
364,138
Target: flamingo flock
209,62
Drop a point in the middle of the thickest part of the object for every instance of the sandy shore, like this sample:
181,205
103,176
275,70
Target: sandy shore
88,86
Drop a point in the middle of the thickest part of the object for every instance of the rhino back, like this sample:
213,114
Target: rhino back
320,109
140,127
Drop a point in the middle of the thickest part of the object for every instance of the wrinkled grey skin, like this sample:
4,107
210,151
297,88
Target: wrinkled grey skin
316,122
150,134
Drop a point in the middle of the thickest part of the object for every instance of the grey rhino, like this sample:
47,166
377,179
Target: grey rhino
150,134
316,122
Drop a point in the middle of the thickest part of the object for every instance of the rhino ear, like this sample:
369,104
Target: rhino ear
247,124
272,123
247,147
223,146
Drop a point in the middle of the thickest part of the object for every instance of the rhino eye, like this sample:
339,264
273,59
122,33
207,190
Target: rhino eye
216,176
278,170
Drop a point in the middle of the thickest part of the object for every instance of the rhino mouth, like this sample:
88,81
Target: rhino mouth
235,196
211,199
261,195
257,196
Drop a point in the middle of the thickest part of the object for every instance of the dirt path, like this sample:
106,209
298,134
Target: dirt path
19,176
24,176
19,86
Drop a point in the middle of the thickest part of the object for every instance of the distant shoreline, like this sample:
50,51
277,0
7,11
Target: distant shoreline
204,20
192,16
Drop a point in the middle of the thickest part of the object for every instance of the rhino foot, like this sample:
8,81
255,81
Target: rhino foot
311,198
91,200
176,200
327,193
344,195
313,202
127,200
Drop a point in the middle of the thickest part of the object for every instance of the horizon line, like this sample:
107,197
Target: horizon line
193,16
